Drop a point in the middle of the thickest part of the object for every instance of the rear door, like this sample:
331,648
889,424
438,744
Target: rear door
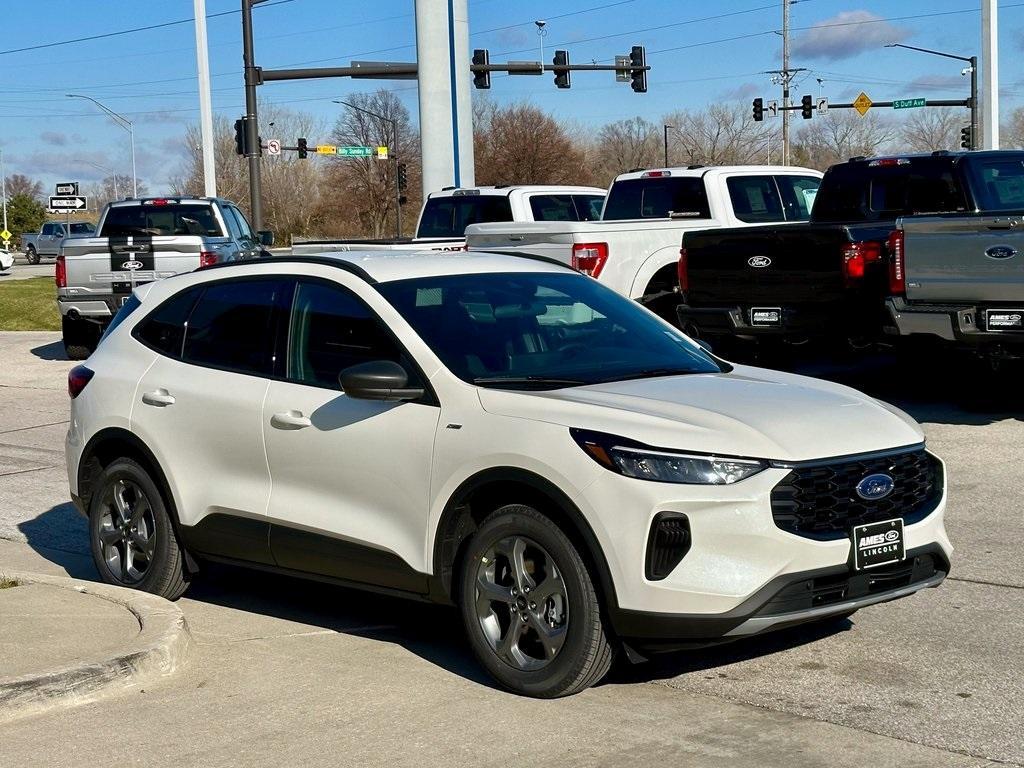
956,259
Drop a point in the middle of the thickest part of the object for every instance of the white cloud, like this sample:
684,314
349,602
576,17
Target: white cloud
846,35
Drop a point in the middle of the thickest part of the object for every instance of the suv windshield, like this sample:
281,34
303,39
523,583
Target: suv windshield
541,330
657,198
449,216
168,219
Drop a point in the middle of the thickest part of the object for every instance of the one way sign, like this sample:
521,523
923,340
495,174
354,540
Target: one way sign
67,202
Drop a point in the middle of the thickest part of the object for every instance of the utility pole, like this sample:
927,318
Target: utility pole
3,187
786,77
990,58
252,131
666,127
205,103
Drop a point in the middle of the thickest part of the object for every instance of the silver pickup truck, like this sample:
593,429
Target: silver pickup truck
960,277
140,241
51,236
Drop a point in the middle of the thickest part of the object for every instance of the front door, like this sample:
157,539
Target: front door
350,478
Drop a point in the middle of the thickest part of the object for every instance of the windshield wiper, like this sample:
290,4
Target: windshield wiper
541,381
650,373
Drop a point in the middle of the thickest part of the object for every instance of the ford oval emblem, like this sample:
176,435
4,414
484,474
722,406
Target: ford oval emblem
875,487
1001,252
759,262
133,265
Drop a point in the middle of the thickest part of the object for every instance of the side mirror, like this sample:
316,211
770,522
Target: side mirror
266,237
378,380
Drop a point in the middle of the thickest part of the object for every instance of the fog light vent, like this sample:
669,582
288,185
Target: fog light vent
667,544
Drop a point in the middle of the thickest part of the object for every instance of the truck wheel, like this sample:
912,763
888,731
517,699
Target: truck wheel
31,255
530,608
80,338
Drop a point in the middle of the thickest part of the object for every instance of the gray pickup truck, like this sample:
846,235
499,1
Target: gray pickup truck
960,277
140,241
51,236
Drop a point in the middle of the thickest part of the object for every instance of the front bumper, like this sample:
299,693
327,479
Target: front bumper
960,323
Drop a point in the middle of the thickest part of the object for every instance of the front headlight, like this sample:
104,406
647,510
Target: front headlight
635,460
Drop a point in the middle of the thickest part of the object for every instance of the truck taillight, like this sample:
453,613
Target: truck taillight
78,377
60,273
856,257
897,267
207,258
589,258
683,269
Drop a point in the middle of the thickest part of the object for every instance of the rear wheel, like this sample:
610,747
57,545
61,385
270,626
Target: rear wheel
530,607
31,255
80,337
130,532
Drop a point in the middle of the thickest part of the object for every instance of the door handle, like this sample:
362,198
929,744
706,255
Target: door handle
290,420
516,238
1003,224
158,397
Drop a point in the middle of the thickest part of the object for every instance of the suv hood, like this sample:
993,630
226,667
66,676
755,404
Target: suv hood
748,412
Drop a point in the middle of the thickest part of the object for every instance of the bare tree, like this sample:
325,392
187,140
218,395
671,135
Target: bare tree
112,188
624,145
19,184
931,129
521,144
723,134
1011,135
368,184
840,135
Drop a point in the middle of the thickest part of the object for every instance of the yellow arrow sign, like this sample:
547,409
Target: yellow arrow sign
862,104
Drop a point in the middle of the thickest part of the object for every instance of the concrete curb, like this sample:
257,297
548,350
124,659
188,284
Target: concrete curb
158,651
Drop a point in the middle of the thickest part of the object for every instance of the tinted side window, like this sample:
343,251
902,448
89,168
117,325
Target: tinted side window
588,207
553,208
798,195
48,229
449,216
232,223
999,183
243,225
655,198
332,330
234,326
164,328
860,191
755,198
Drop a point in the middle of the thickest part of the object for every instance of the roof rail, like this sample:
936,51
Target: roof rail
347,266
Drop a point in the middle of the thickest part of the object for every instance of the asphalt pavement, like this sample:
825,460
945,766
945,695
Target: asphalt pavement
290,671
22,270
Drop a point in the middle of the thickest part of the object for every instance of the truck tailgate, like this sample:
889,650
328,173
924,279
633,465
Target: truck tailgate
551,239
793,264
964,258
105,265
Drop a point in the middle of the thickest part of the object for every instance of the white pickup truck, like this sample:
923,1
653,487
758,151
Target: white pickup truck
447,213
634,248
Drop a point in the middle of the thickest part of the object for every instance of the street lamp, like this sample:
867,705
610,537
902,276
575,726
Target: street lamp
973,61
122,121
394,130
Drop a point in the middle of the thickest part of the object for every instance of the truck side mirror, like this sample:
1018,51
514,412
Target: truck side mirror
266,237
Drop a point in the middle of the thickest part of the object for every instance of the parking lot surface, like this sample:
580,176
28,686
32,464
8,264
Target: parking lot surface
289,671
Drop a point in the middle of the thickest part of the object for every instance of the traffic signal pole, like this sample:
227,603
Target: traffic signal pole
252,135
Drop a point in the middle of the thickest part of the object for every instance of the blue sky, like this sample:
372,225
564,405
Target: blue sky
699,52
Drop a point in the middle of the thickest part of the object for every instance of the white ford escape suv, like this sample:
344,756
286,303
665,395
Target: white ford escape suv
497,432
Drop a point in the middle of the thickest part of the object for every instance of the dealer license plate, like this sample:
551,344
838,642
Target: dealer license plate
1004,320
877,544
766,316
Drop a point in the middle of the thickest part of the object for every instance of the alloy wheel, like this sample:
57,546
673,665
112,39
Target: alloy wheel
127,533
521,603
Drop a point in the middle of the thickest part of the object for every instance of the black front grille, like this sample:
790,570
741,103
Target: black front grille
667,544
821,501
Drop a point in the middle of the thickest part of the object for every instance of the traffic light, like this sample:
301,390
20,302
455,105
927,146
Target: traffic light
563,75
638,62
303,149
758,110
482,58
965,137
240,136
806,107
403,177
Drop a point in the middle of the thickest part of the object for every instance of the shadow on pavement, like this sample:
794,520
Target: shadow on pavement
61,536
52,351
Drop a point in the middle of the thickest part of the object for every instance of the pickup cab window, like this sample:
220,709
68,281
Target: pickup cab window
755,198
168,219
566,207
449,216
657,198
82,228
998,183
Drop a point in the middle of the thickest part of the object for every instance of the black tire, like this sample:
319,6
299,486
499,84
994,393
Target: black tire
80,337
163,570
31,255
585,653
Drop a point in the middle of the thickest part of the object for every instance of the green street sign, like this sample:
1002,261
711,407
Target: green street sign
907,103
357,151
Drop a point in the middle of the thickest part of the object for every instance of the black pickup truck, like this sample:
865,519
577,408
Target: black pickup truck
830,277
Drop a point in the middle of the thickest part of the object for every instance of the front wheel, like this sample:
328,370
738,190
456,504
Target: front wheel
530,607
131,535
31,255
